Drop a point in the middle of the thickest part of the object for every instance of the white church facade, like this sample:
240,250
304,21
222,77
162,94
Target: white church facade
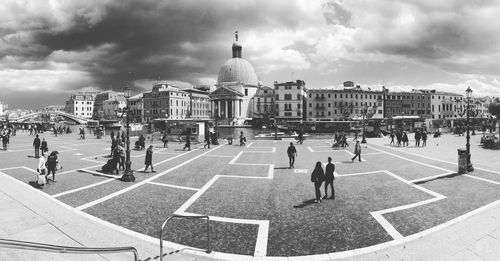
237,84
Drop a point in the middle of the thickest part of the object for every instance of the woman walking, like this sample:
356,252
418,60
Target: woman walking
318,176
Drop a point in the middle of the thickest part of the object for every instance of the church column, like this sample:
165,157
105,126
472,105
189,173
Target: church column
225,109
239,105
237,108
217,106
233,106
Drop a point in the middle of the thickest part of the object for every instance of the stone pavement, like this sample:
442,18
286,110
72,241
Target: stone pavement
28,214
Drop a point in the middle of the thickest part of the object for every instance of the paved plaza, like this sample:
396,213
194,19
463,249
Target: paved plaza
259,207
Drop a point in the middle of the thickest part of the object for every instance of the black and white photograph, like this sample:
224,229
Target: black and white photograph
252,130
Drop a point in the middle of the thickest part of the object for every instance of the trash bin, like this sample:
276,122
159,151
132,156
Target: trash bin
462,161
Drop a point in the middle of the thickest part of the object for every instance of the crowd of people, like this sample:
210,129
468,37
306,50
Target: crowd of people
49,164
402,138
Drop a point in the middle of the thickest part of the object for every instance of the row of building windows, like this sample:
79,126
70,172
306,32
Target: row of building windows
287,97
286,87
346,104
83,108
83,102
329,113
346,95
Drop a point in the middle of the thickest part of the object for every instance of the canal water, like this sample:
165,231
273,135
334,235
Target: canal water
250,133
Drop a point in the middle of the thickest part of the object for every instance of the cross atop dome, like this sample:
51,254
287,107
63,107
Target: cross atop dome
236,35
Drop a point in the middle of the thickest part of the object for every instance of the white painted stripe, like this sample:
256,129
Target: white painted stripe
29,169
483,179
112,195
194,197
250,144
262,238
83,188
431,177
373,153
236,157
179,155
414,161
10,168
386,225
76,170
172,186
359,173
310,149
445,161
220,156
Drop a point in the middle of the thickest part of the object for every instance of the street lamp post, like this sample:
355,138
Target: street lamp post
363,123
467,145
128,174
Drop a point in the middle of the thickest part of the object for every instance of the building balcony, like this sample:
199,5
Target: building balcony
320,98
288,109
320,107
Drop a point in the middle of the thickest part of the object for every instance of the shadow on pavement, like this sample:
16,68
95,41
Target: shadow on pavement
305,203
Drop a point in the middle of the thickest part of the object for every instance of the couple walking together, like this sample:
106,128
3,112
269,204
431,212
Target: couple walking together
318,176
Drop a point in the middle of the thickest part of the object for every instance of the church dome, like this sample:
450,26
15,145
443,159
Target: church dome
237,70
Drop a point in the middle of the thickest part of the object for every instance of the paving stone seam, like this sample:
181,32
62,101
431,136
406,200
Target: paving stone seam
112,195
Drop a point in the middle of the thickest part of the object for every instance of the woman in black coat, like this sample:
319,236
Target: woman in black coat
318,176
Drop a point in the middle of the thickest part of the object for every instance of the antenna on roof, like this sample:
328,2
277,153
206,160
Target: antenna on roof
236,35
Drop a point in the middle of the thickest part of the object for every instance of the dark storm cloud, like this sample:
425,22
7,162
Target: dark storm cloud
135,40
442,33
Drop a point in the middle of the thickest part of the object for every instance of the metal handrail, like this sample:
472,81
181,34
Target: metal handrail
25,245
184,217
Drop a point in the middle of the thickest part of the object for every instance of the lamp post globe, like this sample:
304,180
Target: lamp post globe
128,173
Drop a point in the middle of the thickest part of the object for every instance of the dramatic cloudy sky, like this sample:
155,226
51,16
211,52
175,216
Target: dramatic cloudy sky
50,48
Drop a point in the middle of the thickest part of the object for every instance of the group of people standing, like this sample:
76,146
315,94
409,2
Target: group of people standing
402,138
46,165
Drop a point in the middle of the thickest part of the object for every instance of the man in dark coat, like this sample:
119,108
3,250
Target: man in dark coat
188,143
52,161
292,153
44,147
329,177
149,159
36,144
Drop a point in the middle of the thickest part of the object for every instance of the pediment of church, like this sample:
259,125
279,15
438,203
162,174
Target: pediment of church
224,92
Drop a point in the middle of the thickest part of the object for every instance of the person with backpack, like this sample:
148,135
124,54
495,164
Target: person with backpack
317,177
52,162
329,177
